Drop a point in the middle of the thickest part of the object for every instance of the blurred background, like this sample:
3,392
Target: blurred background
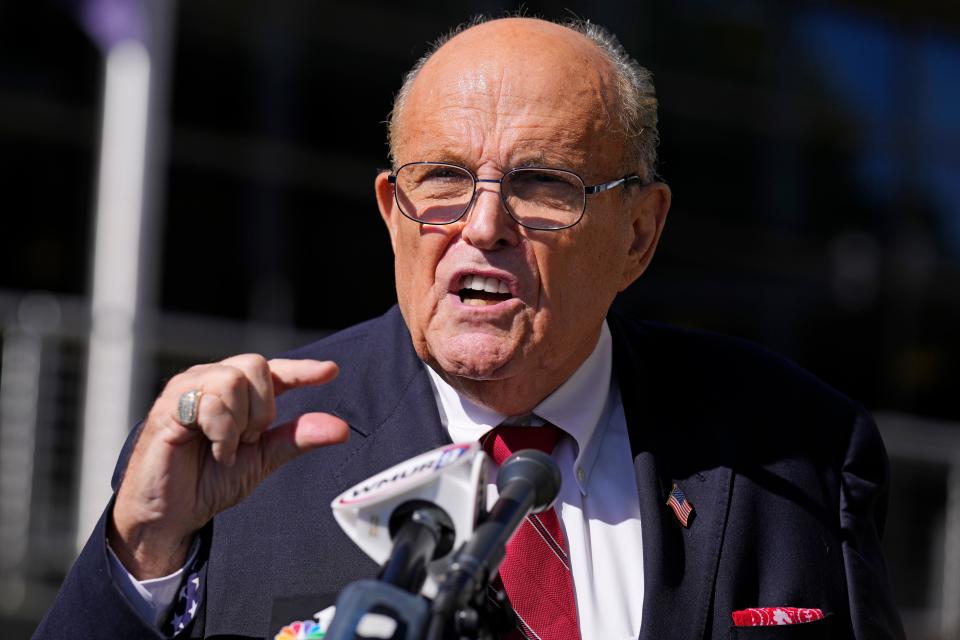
183,181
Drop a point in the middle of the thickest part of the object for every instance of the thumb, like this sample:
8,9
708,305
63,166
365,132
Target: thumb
309,431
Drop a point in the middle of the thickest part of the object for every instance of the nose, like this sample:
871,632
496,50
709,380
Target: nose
488,225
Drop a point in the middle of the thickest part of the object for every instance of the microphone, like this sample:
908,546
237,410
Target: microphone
528,482
408,519
415,513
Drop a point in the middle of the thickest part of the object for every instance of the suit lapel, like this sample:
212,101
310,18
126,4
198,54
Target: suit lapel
680,564
390,404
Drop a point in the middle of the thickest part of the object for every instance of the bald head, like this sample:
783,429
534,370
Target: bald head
584,58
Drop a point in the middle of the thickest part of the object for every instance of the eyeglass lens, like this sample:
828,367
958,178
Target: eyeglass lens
539,198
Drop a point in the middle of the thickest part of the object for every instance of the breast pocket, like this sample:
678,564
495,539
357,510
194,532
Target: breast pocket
817,630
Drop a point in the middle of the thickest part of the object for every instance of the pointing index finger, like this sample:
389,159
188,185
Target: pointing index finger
290,374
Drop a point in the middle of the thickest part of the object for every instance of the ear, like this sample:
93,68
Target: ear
387,205
648,213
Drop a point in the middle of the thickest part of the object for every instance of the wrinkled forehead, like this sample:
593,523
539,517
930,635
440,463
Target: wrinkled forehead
499,74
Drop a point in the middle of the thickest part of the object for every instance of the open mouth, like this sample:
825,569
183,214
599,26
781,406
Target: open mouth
481,291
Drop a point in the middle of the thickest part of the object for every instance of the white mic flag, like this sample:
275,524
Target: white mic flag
454,477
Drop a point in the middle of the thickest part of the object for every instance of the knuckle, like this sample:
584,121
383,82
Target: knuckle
210,403
227,408
252,362
194,370
220,428
233,379
211,406
177,383
255,361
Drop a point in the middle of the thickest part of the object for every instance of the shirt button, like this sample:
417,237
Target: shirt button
581,476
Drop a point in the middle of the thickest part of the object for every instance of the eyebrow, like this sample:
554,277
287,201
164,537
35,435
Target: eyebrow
449,158
535,160
445,156
546,159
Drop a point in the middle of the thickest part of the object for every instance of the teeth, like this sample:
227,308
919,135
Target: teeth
479,283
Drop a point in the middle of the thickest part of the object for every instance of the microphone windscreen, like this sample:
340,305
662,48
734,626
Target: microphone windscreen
535,467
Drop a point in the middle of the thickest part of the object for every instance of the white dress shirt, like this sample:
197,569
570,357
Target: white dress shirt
152,598
598,504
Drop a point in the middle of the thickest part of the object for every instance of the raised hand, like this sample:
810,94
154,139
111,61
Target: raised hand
179,476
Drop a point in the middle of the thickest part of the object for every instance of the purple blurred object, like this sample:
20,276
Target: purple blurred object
111,21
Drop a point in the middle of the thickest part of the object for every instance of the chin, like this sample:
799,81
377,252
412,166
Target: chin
474,359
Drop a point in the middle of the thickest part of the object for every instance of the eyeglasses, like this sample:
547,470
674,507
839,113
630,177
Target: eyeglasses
537,198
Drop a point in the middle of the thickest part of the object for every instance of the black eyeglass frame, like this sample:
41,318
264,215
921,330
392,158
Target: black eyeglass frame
587,191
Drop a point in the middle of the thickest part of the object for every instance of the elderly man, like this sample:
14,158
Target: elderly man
701,476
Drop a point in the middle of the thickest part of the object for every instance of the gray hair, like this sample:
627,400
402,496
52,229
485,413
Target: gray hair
636,107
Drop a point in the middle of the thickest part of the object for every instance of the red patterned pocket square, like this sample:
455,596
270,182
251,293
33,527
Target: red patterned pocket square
772,616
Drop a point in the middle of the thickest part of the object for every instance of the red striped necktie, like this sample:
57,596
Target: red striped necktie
535,572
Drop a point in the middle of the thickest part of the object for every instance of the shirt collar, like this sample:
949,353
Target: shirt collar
577,407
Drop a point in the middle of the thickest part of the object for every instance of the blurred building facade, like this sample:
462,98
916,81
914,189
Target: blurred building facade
813,149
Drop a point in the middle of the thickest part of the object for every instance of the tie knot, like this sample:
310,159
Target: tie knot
504,440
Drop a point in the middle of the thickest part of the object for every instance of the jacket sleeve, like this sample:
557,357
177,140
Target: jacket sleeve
863,504
90,603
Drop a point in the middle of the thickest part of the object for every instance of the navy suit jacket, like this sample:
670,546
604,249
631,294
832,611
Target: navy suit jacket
787,477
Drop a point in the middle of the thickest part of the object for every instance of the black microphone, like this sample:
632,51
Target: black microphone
528,482
421,532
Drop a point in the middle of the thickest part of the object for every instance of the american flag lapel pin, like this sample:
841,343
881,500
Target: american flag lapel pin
680,506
